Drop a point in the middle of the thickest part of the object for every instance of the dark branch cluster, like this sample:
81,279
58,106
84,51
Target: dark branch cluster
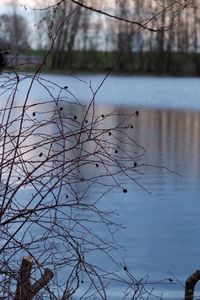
53,155
3,54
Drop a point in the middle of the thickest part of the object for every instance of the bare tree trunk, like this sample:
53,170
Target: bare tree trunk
161,45
25,290
190,285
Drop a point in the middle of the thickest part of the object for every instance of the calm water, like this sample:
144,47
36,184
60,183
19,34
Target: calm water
163,228
162,236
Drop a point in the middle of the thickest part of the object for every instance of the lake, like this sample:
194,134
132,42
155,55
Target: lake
162,235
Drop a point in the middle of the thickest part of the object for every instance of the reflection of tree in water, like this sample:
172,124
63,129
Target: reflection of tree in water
167,134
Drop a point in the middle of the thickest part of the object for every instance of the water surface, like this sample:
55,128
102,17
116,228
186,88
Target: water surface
162,235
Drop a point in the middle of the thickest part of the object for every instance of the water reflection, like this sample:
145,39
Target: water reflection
171,139
163,227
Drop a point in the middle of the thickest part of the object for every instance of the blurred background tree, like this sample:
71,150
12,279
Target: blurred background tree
87,39
15,28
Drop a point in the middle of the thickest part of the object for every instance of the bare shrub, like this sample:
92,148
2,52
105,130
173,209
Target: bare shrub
59,158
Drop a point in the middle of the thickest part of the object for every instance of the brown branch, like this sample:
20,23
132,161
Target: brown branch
23,284
190,285
139,24
26,291
42,282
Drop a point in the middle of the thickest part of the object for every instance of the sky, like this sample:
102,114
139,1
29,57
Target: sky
24,7
99,4
5,6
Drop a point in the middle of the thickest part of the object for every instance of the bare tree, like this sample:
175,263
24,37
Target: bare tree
15,28
63,23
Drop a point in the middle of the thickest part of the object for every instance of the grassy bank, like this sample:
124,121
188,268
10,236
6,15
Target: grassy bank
150,63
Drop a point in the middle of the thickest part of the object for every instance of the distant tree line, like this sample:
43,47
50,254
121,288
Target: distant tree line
84,40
